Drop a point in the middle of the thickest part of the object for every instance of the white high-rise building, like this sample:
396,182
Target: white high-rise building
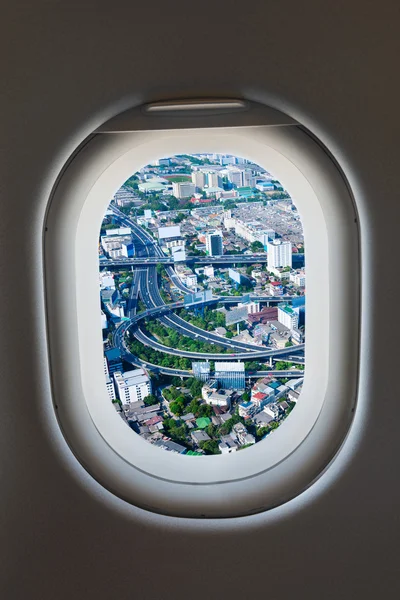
183,189
248,178
279,254
214,180
132,386
288,317
109,383
235,176
199,179
104,323
253,307
214,245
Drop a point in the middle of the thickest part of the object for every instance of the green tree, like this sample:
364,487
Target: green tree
150,399
210,447
257,247
205,410
193,407
176,408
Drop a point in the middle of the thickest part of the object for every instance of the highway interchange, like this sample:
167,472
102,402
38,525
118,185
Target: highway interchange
145,285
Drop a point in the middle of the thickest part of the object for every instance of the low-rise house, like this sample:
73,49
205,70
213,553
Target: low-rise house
241,435
262,419
199,436
224,416
220,398
227,445
188,417
272,410
155,422
170,446
293,395
247,409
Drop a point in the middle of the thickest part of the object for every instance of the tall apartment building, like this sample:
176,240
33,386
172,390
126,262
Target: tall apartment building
288,317
114,362
132,386
214,245
230,375
279,254
235,176
109,383
248,178
183,189
214,180
253,307
199,179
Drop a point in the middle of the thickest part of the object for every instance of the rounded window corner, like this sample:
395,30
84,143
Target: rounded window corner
284,464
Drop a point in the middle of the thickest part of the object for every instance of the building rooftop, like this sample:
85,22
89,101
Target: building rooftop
233,367
170,446
203,422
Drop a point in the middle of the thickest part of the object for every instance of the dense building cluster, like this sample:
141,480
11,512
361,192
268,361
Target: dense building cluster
218,238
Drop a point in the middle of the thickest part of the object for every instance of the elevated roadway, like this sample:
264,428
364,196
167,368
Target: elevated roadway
245,356
145,283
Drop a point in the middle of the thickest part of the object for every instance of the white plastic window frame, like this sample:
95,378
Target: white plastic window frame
287,461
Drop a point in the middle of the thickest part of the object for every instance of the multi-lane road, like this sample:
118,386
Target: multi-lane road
226,259
145,284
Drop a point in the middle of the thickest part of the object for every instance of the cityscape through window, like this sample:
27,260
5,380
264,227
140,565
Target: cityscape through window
202,285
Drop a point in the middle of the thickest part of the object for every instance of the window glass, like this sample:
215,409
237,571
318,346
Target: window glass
202,285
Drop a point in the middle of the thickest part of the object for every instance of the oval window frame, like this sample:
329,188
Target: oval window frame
286,462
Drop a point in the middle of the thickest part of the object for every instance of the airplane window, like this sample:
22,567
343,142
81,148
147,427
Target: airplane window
183,232
202,286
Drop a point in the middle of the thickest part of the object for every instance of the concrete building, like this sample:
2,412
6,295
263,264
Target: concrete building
199,179
170,446
209,271
127,249
109,383
243,437
275,288
227,445
252,308
114,361
173,242
191,281
247,409
279,254
298,278
112,243
104,323
107,281
199,436
183,189
230,375
235,176
132,386
178,253
288,317
214,180
214,245
215,397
